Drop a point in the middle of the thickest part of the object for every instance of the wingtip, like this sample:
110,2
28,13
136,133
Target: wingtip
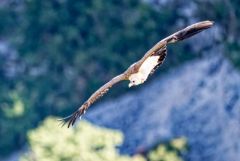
71,119
206,24
210,23
64,121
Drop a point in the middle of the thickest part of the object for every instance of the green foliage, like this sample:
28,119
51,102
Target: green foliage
15,116
86,142
168,152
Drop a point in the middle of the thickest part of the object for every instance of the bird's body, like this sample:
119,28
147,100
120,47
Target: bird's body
138,72
144,71
147,67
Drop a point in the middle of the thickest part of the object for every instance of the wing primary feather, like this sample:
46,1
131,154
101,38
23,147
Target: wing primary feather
189,31
71,119
64,120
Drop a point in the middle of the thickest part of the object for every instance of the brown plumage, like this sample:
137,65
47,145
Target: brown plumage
162,53
138,72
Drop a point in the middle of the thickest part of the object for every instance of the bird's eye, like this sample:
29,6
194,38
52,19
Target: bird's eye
133,81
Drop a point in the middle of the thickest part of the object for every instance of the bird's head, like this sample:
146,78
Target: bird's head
135,79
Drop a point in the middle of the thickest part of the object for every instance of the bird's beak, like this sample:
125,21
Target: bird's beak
130,85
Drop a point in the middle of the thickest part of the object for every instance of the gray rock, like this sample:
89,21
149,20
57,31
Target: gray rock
200,101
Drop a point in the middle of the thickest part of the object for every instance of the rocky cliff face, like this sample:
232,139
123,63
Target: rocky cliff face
200,101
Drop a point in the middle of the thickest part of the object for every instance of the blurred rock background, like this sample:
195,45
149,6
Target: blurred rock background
54,54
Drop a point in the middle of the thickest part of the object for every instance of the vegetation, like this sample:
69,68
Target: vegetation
87,142
169,152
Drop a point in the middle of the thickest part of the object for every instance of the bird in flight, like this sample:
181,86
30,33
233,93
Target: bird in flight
139,71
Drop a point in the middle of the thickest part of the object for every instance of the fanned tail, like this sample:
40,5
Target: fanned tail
71,119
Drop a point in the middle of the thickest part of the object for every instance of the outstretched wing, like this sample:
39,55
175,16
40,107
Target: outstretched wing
177,36
70,120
